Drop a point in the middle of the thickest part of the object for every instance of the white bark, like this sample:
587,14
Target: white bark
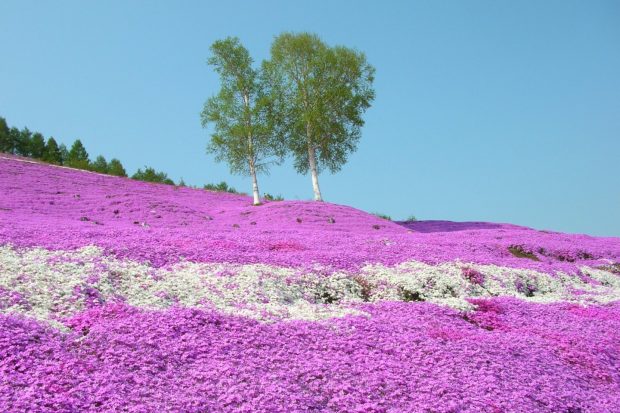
314,173
252,159
255,192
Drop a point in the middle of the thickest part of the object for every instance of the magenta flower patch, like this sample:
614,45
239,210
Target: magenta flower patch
118,295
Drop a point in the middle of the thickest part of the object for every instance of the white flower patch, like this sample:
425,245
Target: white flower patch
446,284
52,285
416,281
258,291
46,280
606,278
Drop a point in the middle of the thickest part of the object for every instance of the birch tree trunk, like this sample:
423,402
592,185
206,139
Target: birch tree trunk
251,157
313,167
255,192
314,173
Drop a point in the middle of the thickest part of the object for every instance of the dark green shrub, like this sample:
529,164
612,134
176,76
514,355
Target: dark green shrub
519,252
221,187
269,197
151,175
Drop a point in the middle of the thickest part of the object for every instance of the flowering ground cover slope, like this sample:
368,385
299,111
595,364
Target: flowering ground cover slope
118,295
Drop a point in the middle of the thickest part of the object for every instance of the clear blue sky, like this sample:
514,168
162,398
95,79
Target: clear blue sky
485,110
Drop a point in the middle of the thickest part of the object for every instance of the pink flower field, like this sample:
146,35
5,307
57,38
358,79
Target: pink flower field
124,296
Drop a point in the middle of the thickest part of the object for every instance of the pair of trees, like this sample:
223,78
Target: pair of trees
306,101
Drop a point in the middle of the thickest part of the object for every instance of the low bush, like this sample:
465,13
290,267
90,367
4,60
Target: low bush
269,197
151,175
221,187
519,252
382,216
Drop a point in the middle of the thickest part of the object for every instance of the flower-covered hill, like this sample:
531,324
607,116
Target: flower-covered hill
119,295
62,208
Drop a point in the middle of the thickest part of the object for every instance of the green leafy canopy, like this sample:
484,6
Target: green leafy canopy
242,134
319,96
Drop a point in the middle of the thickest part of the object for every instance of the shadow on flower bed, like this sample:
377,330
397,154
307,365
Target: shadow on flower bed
446,226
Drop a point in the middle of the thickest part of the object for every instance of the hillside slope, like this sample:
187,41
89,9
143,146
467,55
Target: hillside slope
61,208
118,295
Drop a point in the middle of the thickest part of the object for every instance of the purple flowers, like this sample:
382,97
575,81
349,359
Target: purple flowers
405,357
105,355
182,233
474,276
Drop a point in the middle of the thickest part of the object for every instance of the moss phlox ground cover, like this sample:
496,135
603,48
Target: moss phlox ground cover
117,295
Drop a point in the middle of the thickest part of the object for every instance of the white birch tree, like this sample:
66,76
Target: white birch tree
242,133
318,95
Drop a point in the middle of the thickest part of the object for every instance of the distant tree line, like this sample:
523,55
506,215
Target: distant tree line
34,145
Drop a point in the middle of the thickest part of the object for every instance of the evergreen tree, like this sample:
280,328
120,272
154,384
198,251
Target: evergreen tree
64,154
242,135
319,95
115,167
6,144
22,144
78,157
14,137
52,152
100,165
37,146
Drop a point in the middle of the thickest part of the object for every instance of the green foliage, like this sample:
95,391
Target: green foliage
520,252
37,146
408,295
64,154
319,94
6,144
25,143
383,216
100,165
411,218
269,197
52,152
77,156
22,142
115,167
14,137
242,135
221,187
151,175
